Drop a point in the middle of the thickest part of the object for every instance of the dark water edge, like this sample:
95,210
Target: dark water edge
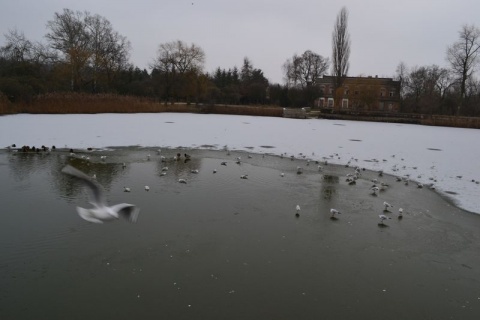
221,247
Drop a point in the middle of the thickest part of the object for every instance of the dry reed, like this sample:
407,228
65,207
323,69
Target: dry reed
75,103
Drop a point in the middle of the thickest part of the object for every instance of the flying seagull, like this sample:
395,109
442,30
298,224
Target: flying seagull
101,211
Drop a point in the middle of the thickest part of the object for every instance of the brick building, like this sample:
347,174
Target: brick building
359,94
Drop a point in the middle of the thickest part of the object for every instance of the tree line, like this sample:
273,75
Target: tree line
83,53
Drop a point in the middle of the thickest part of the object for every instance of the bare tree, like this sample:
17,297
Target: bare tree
18,47
304,70
179,57
340,48
177,63
89,46
463,57
109,50
402,77
68,35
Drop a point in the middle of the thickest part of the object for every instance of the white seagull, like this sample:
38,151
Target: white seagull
334,212
387,205
297,208
382,218
400,213
147,188
101,211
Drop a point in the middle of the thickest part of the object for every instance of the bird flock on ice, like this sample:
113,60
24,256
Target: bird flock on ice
101,212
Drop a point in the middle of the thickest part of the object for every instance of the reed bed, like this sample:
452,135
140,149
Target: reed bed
270,111
6,106
75,103
71,103
65,103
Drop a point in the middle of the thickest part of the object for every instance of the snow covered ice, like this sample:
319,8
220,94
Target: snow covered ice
448,158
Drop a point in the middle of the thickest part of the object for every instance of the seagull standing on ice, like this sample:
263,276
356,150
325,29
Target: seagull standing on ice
400,213
101,211
147,188
334,212
387,205
297,208
382,218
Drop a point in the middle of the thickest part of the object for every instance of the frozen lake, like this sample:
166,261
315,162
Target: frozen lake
444,157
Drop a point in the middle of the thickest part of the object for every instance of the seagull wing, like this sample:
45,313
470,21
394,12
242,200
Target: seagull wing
86,214
97,189
128,211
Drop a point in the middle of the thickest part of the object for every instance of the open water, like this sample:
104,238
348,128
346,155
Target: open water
221,247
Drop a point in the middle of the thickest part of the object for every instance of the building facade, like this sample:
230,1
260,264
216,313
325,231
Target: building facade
359,94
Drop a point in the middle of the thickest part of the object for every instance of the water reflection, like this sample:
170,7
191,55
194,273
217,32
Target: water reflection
328,188
23,164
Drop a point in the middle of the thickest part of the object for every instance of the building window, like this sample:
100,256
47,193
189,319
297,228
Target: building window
330,103
392,93
390,106
321,102
345,104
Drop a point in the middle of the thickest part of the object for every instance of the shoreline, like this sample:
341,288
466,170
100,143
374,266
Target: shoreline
394,148
339,169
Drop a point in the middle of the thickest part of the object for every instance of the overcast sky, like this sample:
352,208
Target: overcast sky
383,32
